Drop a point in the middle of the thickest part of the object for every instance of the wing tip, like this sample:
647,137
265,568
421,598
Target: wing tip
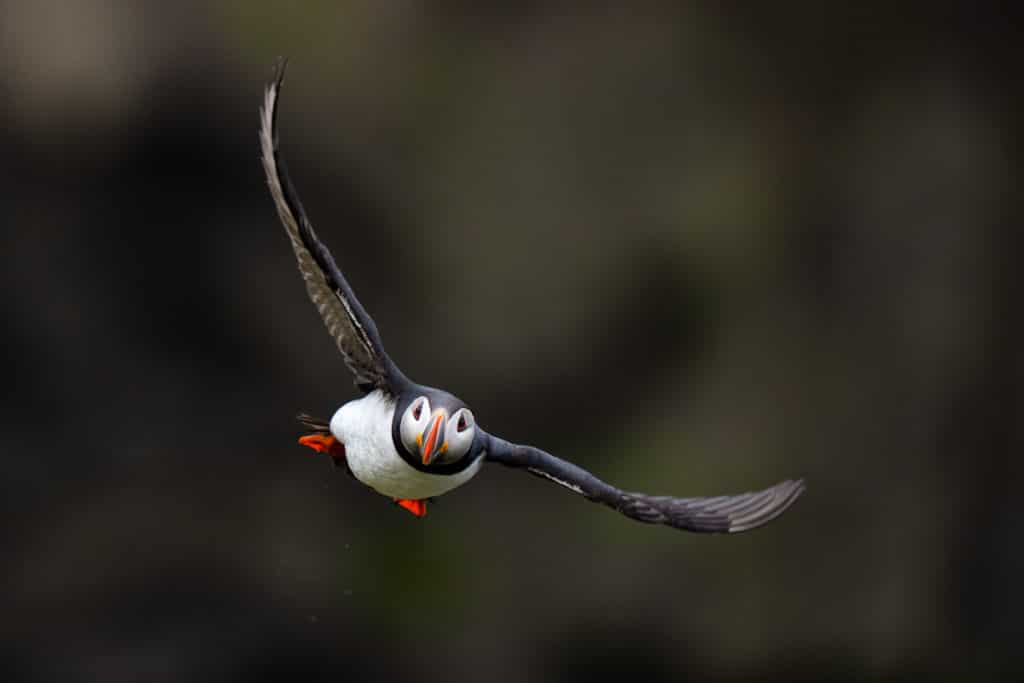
784,494
268,110
280,67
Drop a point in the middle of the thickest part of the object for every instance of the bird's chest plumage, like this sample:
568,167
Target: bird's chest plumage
364,427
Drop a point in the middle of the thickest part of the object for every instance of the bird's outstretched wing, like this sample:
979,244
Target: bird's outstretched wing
721,514
352,328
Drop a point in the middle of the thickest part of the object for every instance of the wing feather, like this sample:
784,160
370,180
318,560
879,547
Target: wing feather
716,514
347,322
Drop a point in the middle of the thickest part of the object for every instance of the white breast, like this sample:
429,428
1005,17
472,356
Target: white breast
364,426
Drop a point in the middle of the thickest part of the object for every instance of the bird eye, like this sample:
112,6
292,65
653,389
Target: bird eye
413,422
459,437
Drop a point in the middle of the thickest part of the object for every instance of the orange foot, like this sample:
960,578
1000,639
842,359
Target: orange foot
416,507
325,443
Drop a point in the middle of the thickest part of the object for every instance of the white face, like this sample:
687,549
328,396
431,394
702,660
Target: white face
461,428
435,436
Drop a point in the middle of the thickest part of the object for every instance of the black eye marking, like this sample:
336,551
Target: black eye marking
417,411
461,427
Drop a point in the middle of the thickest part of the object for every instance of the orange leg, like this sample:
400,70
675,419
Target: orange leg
416,507
325,443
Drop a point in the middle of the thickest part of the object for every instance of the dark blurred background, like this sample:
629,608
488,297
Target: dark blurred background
695,248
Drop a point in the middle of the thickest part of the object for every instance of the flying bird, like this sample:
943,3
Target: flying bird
413,443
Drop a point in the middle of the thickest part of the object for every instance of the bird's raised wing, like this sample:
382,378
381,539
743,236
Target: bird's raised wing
353,330
721,514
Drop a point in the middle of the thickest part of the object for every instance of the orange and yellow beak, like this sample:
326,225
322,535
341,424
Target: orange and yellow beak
434,445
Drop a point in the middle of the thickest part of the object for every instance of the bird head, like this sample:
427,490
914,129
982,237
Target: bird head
437,434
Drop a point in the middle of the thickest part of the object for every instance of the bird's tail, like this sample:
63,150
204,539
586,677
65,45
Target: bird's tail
315,425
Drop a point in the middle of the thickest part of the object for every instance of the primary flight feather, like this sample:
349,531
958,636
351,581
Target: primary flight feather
412,442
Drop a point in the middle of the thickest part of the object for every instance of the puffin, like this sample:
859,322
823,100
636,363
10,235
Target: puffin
413,443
